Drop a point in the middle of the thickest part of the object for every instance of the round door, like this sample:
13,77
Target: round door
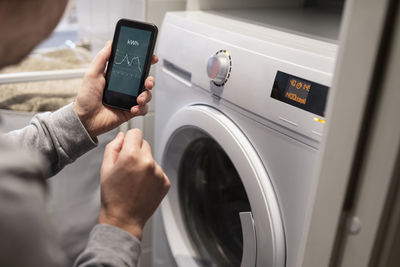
221,209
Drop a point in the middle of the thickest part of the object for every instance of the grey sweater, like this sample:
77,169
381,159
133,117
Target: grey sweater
27,157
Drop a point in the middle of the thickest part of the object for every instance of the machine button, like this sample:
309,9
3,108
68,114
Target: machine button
288,121
317,133
219,67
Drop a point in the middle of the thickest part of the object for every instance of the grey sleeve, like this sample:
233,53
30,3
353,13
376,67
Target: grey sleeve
59,137
27,235
109,246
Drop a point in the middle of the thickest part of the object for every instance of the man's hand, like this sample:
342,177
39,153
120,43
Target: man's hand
132,183
97,118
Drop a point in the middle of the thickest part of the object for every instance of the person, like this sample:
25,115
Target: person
132,183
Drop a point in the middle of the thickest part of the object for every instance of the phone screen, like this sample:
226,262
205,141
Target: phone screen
129,61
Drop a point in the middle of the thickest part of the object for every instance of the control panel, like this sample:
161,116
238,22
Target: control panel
301,93
279,76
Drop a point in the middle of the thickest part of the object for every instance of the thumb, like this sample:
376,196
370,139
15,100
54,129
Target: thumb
100,61
112,151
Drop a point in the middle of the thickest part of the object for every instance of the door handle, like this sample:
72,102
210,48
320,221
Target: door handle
177,72
249,240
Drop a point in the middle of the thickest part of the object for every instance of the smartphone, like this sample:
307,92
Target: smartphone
129,63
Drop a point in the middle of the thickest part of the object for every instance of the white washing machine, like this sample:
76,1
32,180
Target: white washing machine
239,116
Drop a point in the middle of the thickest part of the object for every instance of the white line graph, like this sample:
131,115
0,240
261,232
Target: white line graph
130,62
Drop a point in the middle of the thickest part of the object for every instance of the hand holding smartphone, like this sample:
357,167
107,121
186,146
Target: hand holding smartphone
129,63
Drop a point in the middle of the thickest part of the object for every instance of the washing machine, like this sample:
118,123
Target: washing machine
239,115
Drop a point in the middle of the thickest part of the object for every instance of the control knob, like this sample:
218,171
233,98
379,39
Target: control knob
219,67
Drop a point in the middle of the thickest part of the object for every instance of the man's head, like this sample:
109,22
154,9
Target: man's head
23,24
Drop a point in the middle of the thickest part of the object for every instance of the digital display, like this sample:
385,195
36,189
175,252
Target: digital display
297,90
301,93
129,61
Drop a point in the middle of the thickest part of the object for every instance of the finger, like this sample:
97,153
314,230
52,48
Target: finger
139,110
149,83
159,170
146,147
127,115
100,61
154,59
133,141
144,98
112,150
160,173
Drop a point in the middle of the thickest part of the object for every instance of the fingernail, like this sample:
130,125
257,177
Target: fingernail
135,109
120,135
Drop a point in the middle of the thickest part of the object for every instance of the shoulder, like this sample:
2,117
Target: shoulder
19,161
21,179
25,228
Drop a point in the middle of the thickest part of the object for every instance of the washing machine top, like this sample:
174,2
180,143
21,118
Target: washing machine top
280,76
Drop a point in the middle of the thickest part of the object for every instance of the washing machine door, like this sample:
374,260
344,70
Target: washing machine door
221,209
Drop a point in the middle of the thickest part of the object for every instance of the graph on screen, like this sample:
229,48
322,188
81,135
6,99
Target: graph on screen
127,65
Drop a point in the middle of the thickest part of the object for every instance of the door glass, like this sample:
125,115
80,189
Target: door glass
212,196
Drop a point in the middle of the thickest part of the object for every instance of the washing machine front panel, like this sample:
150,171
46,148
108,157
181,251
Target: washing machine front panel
189,134
198,96
243,69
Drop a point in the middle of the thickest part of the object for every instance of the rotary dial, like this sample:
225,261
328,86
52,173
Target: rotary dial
219,67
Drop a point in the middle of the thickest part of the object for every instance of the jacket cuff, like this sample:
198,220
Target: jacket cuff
116,242
71,131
